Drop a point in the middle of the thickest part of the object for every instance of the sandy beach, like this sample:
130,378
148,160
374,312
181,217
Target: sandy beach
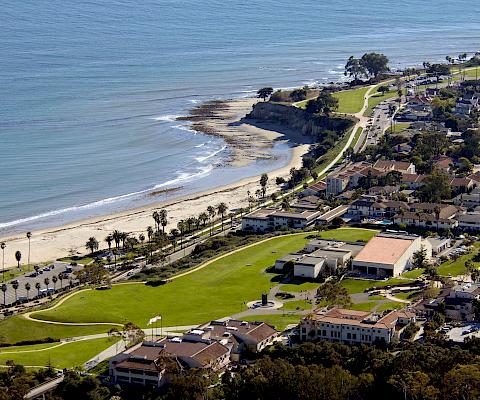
248,142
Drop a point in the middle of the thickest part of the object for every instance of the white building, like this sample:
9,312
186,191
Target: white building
355,327
270,219
389,254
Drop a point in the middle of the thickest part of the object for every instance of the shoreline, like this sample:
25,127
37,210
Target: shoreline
248,143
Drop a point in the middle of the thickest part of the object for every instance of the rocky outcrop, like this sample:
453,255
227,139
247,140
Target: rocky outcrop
298,119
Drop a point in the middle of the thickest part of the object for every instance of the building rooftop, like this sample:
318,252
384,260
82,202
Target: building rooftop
383,250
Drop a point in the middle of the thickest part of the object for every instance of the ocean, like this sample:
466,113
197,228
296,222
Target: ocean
90,89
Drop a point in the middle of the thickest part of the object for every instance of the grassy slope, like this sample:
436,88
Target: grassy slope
357,136
213,292
66,356
378,98
350,101
457,267
299,286
360,285
279,321
17,329
297,305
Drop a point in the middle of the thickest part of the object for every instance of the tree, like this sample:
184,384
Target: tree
174,234
29,236
203,218
46,281
211,213
436,187
149,233
375,63
18,257
163,219
61,277
27,288
54,280
419,259
181,227
38,286
334,294
263,184
323,104
141,238
109,240
265,92
93,273
462,382
156,219
92,244
222,209
383,89
355,68
117,238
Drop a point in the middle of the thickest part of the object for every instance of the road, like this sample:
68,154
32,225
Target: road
40,390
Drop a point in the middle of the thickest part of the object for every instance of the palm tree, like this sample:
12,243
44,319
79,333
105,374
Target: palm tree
92,244
231,215
61,277
109,240
211,213
29,235
18,257
4,290
124,237
116,237
174,233
2,246
163,219
156,218
203,218
181,227
141,237
15,287
38,286
149,233
46,281
27,288
190,222
222,209
54,280
70,282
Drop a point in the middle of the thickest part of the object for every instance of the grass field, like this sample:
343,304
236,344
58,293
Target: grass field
279,321
356,137
218,290
297,305
472,73
351,101
299,287
18,329
407,295
349,234
414,273
360,285
367,306
457,267
390,305
399,126
68,355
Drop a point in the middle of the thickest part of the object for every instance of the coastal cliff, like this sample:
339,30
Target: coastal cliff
298,119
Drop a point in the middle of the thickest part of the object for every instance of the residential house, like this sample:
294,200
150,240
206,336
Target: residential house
469,221
354,327
413,181
317,189
329,216
459,304
468,200
444,163
390,165
428,216
462,185
371,208
270,219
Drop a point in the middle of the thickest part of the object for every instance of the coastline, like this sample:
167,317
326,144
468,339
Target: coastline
247,143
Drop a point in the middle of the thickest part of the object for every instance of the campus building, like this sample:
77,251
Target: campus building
389,254
354,327
271,219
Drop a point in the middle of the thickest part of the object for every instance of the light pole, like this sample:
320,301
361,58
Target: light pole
3,245
29,235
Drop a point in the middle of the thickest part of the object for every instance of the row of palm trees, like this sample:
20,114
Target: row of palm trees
18,255
15,285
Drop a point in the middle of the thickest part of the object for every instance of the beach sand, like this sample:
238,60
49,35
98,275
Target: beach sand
248,142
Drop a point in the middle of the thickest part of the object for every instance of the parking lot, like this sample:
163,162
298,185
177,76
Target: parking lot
44,272
459,334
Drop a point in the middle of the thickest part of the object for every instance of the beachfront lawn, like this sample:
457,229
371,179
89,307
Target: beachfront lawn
220,289
18,329
297,287
279,321
378,98
79,260
349,234
351,101
360,285
299,305
68,355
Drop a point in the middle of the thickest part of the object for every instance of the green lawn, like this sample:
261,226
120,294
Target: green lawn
457,267
407,295
69,355
367,306
356,137
378,98
360,285
216,291
472,73
351,101
279,321
18,329
79,260
349,234
414,273
390,305
297,305
399,126
376,298
299,287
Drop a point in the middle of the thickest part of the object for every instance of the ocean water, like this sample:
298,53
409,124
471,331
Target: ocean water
90,89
